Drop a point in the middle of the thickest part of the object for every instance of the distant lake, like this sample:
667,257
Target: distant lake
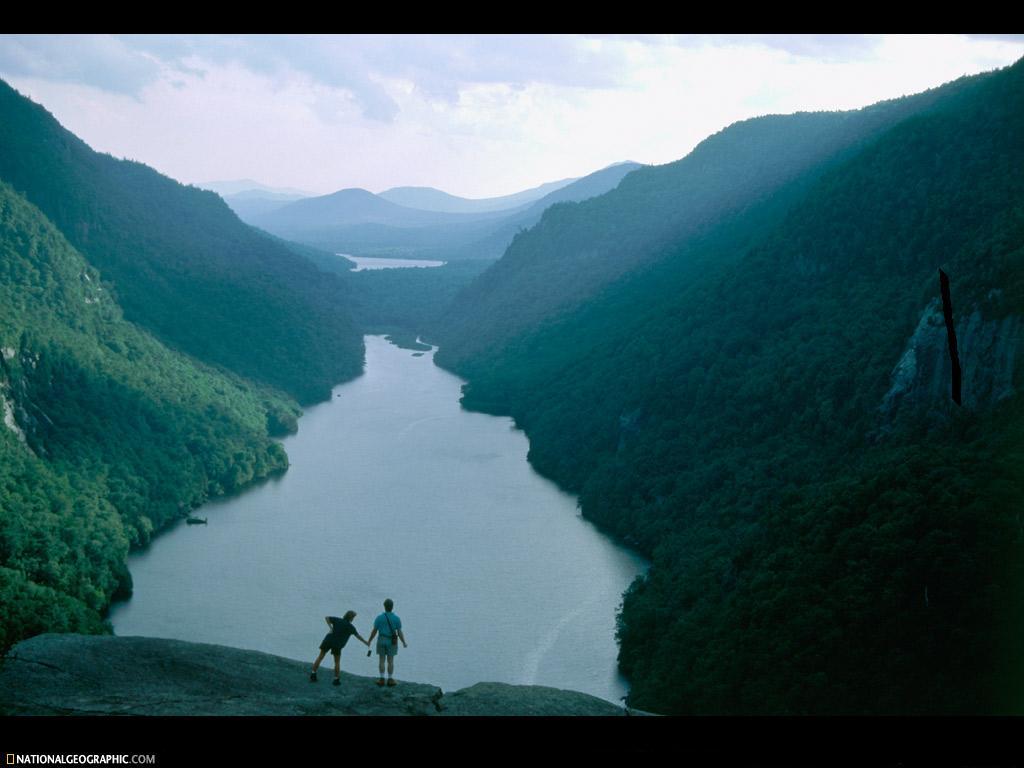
367,262
395,491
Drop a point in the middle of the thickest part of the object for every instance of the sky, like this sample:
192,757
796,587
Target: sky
474,115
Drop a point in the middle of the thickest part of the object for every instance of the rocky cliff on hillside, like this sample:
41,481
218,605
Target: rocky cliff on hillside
103,675
922,377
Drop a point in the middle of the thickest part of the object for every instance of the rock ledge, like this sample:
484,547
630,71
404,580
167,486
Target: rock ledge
63,674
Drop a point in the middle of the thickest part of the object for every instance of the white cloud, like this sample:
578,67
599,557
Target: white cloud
473,115
102,61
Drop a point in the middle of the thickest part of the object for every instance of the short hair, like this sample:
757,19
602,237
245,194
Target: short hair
349,615
389,604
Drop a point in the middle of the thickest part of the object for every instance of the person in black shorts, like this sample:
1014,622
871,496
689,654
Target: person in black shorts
334,641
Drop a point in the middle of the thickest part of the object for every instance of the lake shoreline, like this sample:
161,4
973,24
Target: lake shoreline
575,623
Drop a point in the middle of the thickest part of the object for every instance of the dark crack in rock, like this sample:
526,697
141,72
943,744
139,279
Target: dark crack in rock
920,381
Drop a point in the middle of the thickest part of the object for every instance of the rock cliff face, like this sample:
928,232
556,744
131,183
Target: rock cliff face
921,379
20,413
104,675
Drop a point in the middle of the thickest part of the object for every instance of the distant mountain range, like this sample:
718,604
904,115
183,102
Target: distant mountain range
350,207
430,199
359,222
248,186
249,198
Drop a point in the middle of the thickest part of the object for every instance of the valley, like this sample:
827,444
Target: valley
678,433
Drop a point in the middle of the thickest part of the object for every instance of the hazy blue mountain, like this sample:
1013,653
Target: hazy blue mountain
349,207
183,265
359,222
494,243
248,198
254,202
591,185
430,199
242,186
757,395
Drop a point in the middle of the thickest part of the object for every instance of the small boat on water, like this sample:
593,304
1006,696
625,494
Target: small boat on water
195,520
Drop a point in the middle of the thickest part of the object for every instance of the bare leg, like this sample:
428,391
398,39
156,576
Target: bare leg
380,658
316,664
391,666
337,664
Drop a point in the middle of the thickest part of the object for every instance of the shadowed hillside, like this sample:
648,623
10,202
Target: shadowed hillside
755,407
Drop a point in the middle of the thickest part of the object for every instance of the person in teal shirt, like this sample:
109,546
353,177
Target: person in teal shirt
389,628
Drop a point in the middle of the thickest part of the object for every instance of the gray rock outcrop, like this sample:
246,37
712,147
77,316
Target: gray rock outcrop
64,674
505,699
921,380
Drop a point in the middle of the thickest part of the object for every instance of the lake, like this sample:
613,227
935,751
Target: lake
373,262
395,491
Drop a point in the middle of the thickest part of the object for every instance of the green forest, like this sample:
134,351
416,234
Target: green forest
718,408
153,346
108,435
182,264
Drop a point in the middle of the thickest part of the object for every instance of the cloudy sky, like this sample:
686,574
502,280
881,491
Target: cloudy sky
474,115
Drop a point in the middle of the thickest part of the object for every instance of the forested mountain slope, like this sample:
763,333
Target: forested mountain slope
493,244
577,249
829,533
182,263
107,435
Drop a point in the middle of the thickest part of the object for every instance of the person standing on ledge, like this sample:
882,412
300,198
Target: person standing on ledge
389,626
334,641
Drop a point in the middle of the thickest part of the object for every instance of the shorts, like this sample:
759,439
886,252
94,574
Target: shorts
386,647
332,644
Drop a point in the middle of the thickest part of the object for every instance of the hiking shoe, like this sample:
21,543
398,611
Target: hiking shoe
312,677
391,681
337,681
380,681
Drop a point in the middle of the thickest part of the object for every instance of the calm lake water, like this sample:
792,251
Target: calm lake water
373,262
395,491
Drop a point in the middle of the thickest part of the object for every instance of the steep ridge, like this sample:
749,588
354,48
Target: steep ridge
829,533
107,434
577,249
182,263
493,244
